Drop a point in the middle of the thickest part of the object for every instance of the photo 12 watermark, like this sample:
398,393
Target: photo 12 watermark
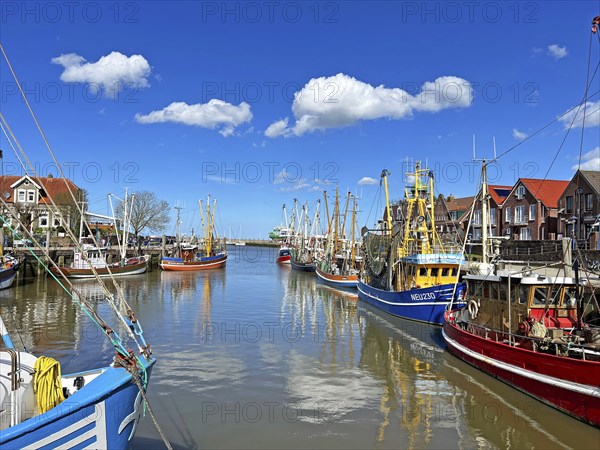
68,12
80,171
268,12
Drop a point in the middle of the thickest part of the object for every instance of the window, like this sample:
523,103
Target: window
532,212
477,217
554,295
520,192
525,234
493,216
21,195
589,202
57,221
570,300
540,294
454,271
523,293
507,214
423,271
31,196
569,206
445,271
43,219
434,272
495,290
520,214
508,231
477,234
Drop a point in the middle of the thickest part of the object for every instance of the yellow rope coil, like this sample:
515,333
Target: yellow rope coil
47,384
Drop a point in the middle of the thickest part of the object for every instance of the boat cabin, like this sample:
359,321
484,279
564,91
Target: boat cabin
422,271
550,301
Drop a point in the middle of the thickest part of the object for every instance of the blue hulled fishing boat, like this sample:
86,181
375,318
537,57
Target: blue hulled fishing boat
407,270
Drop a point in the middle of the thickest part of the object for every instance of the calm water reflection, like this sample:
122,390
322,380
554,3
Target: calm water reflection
259,356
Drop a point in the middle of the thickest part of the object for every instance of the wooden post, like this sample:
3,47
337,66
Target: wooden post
164,244
567,257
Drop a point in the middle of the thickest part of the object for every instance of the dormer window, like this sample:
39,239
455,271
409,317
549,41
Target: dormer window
30,196
21,193
520,192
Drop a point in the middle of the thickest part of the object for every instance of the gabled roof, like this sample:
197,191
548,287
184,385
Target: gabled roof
499,192
546,191
54,187
593,179
459,204
22,179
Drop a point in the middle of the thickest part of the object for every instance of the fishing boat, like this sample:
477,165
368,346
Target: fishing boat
91,259
407,270
528,329
340,264
305,244
97,408
9,267
283,234
210,252
283,255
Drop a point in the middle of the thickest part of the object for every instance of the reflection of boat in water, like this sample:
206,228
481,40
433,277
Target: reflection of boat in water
430,399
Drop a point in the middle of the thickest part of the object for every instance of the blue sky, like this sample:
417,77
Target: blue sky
258,103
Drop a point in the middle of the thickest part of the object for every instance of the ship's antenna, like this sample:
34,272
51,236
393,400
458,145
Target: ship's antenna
494,148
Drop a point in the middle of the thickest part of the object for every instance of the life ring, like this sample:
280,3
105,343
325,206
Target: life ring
473,309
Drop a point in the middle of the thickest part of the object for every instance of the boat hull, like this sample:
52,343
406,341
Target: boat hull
7,276
128,269
303,267
567,384
423,305
179,265
102,414
347,281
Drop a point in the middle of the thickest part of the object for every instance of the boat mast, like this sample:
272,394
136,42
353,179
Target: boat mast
353,227
177,228
384,175
336,223
484,212
327,213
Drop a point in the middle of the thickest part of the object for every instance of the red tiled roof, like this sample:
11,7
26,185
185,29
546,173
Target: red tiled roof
498,193
546,191
54,187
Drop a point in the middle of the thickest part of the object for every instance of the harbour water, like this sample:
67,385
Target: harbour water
259,356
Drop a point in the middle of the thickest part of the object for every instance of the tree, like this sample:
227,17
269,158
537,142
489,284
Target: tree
68,210
147,213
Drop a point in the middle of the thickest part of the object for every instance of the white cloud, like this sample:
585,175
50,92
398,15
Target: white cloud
557,52
341,100
110,73
519,135
367,180
590,160
592,116
278,128
214,114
